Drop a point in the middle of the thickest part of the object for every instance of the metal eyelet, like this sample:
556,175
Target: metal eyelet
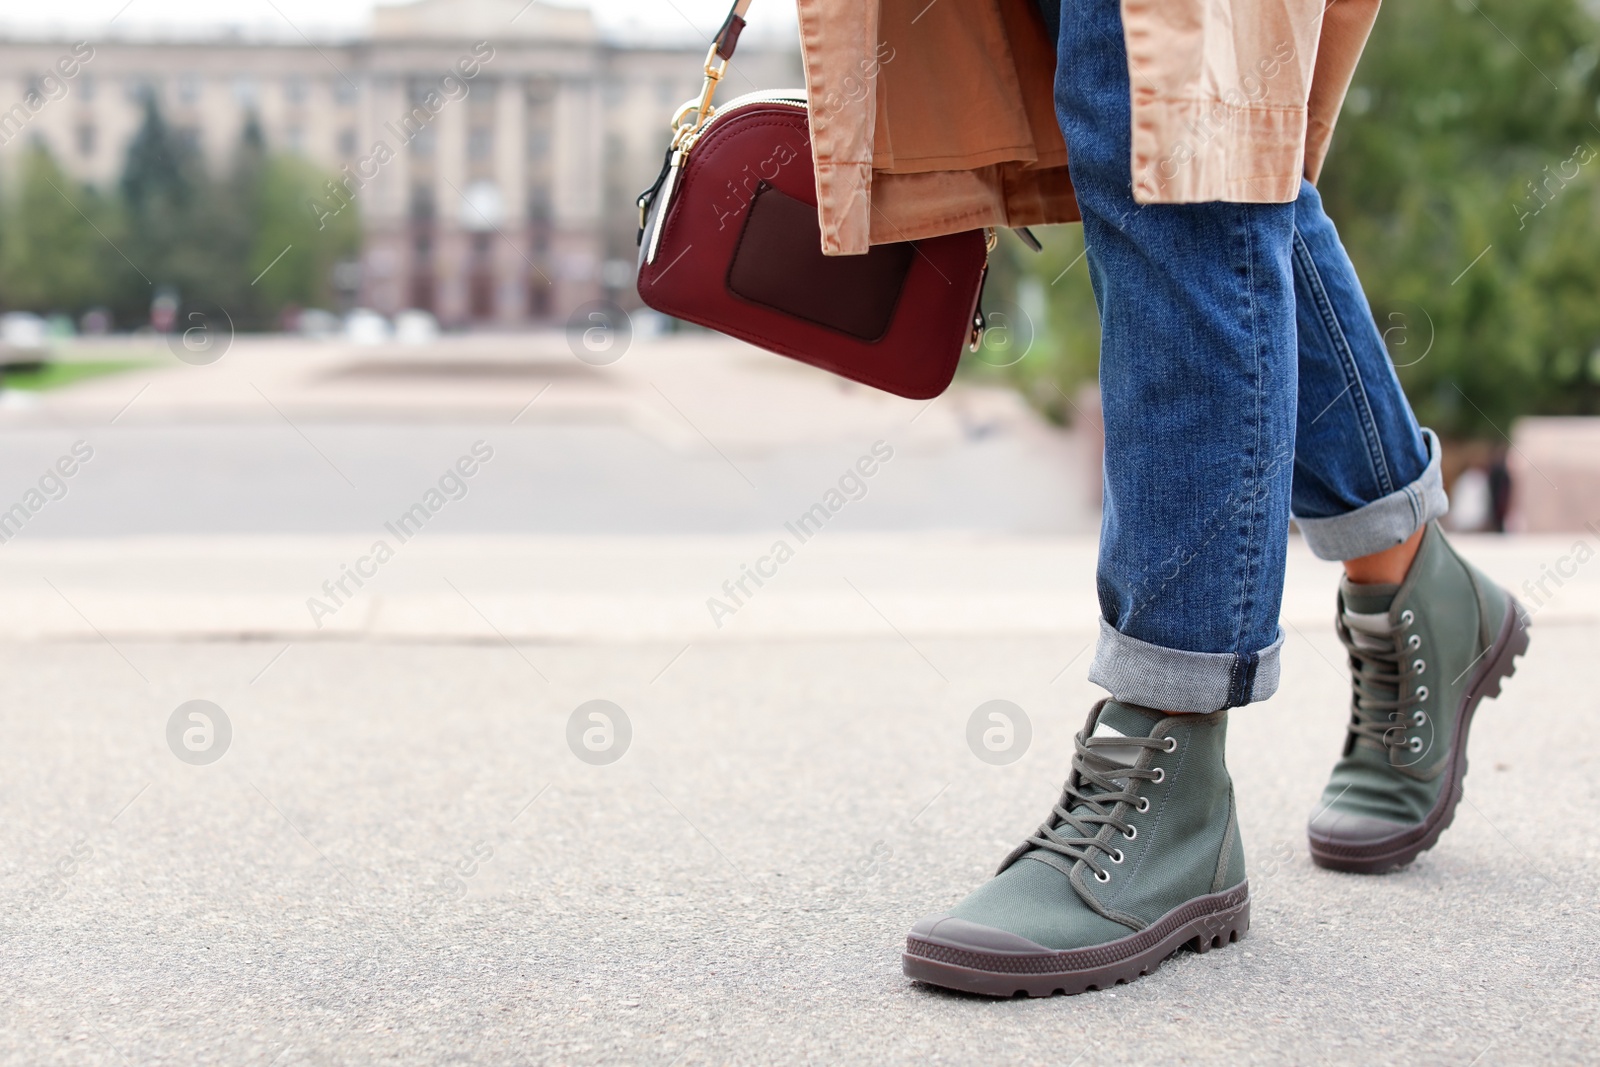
1117,856
1419,717
1143,805
1170,745
1422,692
1407,617
1415,745
1101,880
1414,642
1161,776
1419,666
1131,833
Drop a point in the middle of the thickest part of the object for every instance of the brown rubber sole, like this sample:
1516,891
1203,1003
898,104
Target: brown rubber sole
1202,924
1385,854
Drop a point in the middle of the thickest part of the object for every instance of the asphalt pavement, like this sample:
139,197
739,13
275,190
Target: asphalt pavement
523,798
401,858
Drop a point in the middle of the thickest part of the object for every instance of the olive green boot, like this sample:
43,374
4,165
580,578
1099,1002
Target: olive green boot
1140,856
1423,654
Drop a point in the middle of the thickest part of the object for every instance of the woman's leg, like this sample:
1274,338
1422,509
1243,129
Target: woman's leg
1428,635
1198,368
1366,476
1198,364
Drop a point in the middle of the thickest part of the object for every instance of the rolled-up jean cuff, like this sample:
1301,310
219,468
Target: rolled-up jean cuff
1385,522
1138,672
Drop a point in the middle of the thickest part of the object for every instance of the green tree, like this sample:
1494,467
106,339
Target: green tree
51,256
245,240
211,264
1465,180
160,204
1465,135
217,239
286,227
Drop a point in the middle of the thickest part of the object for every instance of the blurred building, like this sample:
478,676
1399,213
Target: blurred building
493,147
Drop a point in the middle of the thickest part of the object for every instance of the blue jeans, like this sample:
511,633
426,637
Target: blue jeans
1243,378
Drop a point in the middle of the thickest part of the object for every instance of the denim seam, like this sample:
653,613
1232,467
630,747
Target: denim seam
1243,591
1242,681
1340,344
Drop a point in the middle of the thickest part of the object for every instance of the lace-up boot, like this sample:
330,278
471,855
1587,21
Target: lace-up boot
1140,856
1422,657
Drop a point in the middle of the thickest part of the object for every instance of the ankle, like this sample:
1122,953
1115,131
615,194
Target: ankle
1388,567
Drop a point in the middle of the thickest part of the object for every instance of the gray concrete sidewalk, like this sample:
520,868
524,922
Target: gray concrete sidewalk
837,585
390,834
400,857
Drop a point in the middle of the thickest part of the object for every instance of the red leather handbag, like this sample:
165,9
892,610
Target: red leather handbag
729,239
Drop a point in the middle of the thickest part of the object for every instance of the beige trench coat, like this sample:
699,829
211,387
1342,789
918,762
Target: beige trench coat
929,118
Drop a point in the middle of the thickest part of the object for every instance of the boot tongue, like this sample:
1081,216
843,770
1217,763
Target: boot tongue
1123,720
1366,615
1366,599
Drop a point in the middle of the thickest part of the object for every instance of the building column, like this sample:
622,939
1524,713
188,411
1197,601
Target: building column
579,157
511,175
385,209
453,254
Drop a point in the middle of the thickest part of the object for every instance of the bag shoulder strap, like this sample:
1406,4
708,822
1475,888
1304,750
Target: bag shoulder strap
727,38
